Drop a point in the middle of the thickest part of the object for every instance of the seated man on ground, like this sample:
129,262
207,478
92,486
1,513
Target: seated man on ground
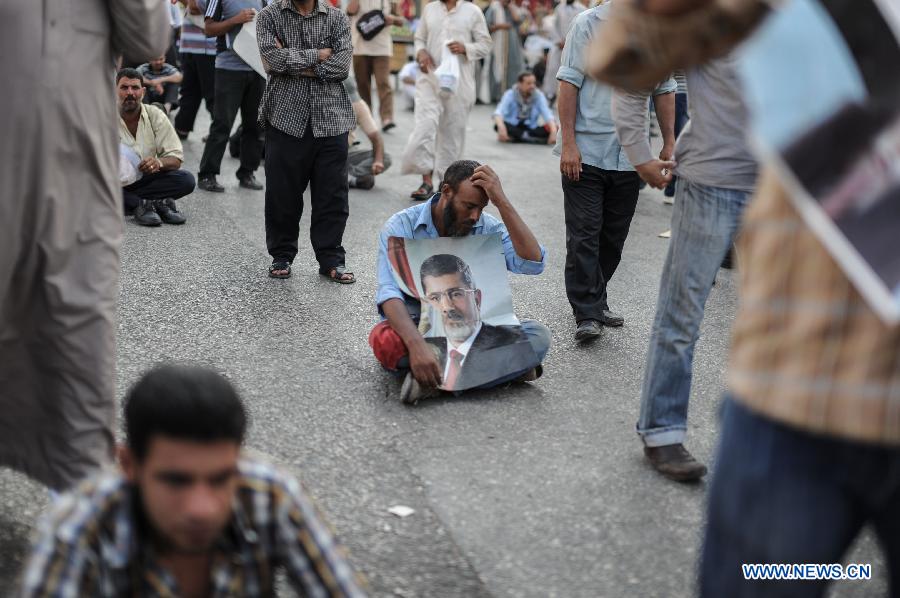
186,514
455,211
146,130
162,81
364,165
520,111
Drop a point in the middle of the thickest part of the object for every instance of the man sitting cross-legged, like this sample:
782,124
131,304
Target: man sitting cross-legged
187,514
518,115
147,131
456,211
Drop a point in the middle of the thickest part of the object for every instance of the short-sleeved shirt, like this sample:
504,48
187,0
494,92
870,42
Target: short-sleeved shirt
510,110
222,10
155,137
148,73
416,223
380,45
595,131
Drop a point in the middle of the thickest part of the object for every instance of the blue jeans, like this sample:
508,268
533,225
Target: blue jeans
704,222
782,495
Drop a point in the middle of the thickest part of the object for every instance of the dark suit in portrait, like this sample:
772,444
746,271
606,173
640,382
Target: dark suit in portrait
496,352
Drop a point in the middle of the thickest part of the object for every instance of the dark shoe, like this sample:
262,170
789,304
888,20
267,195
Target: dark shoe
249,181
412,392
367,181
531,375
280,269
609,318
425,191
209,183
387,127
146,215
588,330
728,262
168,213
675,462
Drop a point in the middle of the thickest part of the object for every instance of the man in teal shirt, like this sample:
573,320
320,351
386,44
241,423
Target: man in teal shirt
600,186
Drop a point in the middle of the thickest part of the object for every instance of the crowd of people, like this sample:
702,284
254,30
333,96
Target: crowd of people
187,511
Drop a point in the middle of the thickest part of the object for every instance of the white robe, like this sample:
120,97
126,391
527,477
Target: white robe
438,138
563,17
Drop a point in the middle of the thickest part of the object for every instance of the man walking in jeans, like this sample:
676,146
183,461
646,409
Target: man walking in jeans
716,174
238,87
305,46
600,186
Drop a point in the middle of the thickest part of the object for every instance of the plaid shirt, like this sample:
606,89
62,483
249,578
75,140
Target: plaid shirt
807,350
90,544
293,100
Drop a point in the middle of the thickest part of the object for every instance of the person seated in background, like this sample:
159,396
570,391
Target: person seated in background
162,81
187,513
146,132
364,165
408,76
456,210
519,114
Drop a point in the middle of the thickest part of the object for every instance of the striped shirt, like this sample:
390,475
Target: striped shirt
91,544
292,101
194,41
807,350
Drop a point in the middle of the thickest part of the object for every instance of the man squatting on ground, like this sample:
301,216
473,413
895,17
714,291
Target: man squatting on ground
456,211
186,514
147,130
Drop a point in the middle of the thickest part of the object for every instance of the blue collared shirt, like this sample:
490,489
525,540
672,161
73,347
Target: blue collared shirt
416,223
508,109
595,131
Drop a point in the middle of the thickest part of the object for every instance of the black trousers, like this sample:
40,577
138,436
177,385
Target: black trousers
292,163
198,84
167,184
515,131
599,208
235,90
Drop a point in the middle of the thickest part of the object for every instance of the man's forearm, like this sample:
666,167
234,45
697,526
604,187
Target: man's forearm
216,28
523,240
169,163
568,106
665,116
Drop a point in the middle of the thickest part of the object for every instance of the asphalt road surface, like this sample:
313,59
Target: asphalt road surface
533,490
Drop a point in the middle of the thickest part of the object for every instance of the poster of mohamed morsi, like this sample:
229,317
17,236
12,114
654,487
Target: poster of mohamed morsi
467,314
822,81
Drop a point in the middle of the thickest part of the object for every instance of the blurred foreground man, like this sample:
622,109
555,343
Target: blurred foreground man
188,515
810,446
61,209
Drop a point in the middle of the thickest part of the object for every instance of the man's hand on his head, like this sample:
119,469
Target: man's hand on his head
656,173
487,180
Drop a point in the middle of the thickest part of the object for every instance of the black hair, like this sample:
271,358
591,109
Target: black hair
183,402
128,74
442,264
524,74
458,172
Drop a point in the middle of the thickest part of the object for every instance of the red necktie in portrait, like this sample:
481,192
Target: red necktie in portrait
453,372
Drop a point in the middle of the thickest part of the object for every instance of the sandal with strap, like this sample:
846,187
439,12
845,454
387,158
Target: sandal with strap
338,274
280,267
425,191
